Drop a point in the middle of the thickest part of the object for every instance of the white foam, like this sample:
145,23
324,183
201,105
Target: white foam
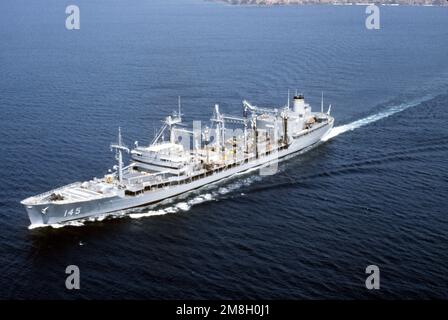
57,225
78,223
101,217
171,210
147,214
180,206
223,190
37,225
200,199
372,118
183,206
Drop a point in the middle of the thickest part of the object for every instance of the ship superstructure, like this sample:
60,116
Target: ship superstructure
180,159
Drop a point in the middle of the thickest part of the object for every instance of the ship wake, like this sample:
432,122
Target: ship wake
373,118
209,193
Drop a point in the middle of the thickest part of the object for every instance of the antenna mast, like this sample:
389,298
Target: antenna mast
119,147
179,108
322,103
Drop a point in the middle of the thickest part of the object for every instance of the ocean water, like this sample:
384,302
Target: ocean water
373,193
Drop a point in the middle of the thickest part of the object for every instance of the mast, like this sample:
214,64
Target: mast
119,147
219,128
206,136
245,137
234,149
285,128
254,127
180,115
322,103
223,139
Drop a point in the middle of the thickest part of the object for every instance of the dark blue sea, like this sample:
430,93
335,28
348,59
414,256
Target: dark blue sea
373,194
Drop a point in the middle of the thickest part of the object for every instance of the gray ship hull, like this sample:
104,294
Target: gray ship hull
54,213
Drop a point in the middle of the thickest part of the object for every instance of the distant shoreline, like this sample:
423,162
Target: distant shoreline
417,3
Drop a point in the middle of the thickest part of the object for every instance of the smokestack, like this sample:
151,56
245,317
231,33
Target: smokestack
299,104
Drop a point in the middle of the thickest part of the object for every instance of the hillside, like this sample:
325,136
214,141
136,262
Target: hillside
300,2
